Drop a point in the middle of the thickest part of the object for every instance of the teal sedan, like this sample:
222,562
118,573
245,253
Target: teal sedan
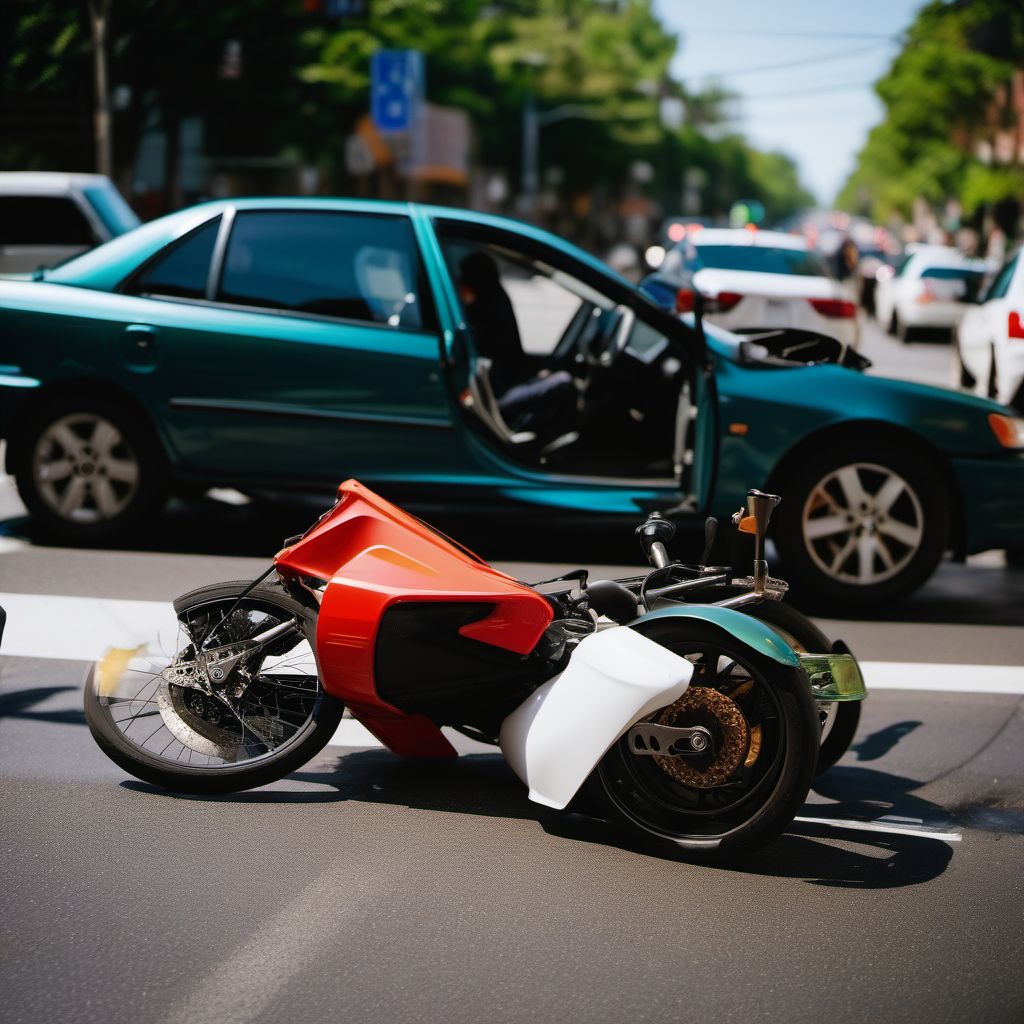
289,343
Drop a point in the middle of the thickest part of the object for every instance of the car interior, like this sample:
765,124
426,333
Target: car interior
628,415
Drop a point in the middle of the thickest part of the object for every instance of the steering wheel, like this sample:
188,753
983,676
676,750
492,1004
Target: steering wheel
603,345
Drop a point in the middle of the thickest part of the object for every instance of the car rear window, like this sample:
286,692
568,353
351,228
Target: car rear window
43,220
181,270
360,267
758,258
958,283
952,274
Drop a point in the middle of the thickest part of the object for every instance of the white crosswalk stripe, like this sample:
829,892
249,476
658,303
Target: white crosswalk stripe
82,628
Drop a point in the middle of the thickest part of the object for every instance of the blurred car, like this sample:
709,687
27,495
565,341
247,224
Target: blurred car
872,260
755,280
46,217
275,344
929,290
990,338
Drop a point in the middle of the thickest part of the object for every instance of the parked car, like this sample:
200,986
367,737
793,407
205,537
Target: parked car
929,290
753,280
290,343
46,217
990,338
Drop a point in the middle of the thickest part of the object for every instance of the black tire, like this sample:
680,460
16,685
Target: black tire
803,635
926,496
901,330
308,740
137,445
966,378
634,793
993,377
892,326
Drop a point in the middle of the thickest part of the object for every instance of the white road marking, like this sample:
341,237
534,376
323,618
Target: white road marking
881,825
82,628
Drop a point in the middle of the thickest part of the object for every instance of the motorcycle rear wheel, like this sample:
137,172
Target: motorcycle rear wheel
199,745
702,812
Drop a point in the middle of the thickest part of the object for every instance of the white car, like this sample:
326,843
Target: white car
756,280
929,291
990,339
46,217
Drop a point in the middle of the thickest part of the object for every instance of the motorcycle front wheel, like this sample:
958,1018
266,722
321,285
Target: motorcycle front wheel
271,720
750,785
839,719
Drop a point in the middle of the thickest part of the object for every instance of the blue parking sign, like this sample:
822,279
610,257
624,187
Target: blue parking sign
396,89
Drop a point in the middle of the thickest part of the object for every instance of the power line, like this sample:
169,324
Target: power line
809,91
793,35
820,59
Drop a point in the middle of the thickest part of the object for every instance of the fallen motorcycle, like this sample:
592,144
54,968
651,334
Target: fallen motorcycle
694,725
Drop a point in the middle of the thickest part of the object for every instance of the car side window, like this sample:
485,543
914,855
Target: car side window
361,267
182,269
1001,283
43,220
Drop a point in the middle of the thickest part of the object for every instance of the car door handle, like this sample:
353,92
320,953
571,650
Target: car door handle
141,336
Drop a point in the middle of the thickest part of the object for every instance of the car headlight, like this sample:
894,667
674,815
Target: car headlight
1009,430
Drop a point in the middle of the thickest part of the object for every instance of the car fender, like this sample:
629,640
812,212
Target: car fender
557,736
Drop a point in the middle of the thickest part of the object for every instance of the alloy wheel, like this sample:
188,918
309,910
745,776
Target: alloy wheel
84,469
862,524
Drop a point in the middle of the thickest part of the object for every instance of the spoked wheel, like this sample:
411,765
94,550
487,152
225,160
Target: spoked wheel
222,713
749,785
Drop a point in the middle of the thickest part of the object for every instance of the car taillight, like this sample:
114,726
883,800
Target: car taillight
684,300
726,300
834,307
1014,326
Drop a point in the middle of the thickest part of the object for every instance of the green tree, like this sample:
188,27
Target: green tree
941,98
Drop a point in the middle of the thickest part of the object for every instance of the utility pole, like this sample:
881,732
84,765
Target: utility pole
102,134
531,171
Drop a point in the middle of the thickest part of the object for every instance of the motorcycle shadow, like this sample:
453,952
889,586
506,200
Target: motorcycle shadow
483,784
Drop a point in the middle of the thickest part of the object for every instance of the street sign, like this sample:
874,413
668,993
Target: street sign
396,89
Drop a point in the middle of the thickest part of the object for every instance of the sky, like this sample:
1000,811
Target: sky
819,106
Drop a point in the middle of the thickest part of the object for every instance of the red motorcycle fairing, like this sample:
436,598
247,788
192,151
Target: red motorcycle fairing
376,558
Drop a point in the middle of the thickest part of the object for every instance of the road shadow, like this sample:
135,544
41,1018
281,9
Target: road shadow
16,704
483,784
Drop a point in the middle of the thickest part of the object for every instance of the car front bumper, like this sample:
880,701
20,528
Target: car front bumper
992,490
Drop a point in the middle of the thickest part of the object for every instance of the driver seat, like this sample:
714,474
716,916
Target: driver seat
485,403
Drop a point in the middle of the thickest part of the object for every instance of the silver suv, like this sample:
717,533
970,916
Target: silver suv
46,217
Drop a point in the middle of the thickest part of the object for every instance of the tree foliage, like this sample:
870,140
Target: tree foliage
942,102
305,81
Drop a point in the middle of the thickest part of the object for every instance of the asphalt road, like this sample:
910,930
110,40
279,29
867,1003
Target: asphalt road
364,888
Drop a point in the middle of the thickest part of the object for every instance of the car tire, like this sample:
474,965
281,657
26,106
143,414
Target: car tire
993,377
848,550
89,470
891,326
966,379
902,331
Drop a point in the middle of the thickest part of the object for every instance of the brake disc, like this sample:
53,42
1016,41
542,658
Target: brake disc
700,705
182,709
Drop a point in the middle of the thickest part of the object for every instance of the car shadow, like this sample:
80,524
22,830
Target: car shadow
483,784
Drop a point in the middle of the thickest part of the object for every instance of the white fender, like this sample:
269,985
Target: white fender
556,737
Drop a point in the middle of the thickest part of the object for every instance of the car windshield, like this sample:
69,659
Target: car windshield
112,209
759,258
